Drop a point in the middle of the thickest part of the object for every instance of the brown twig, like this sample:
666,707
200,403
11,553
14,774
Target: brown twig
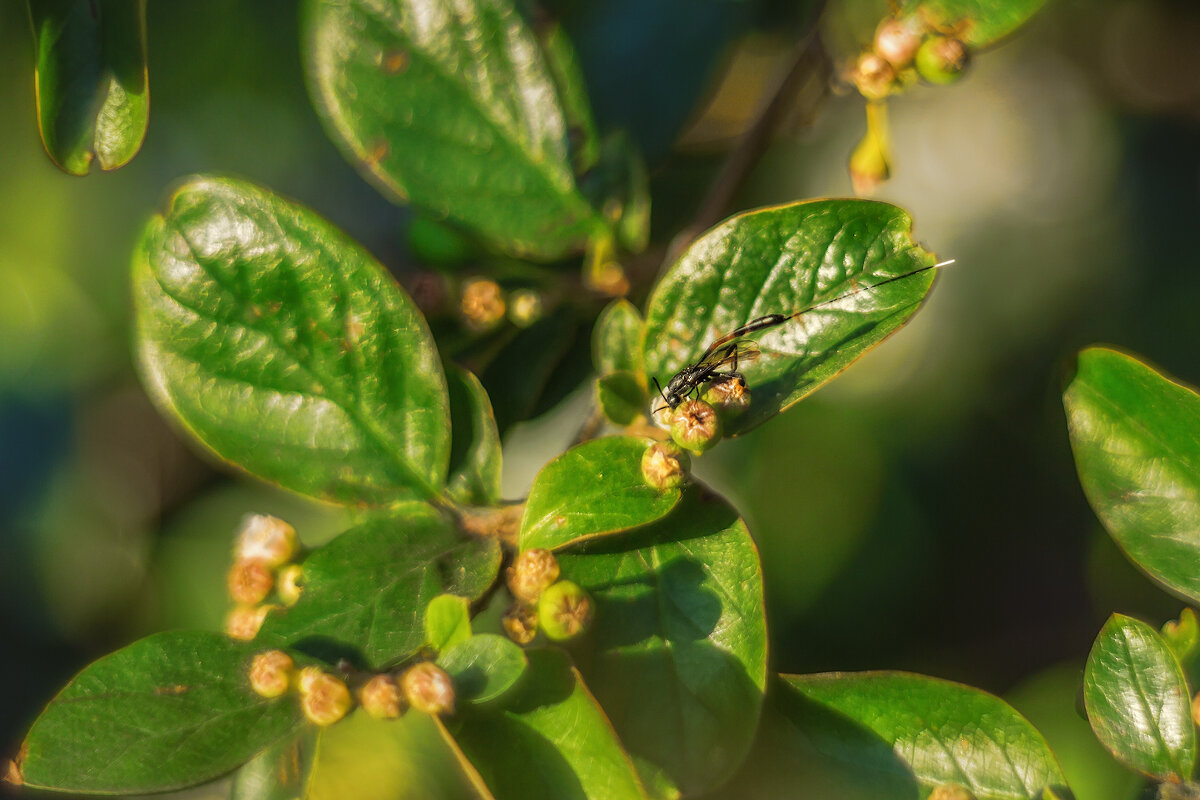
808,62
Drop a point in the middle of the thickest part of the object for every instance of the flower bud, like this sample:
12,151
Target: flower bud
662,415
897,40
564,611
665,465
532,572
290,584
696,426
524,307
482,303
270,673
942,59
428,688
324,698
249,581
950,791
874,76
266,539
380,697
729,398
520,623
243,622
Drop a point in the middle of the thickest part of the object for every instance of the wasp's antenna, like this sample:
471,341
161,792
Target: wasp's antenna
862,289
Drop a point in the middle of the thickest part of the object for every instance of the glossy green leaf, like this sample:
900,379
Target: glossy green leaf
781,260
483,667
93,97
1136,437
550,739
410,758
171,710
281,772
621,397
678,653
1137,700
562,62
976,22
365,592
474,443
447,621
895,727
454,108
617,338
591,490
286,349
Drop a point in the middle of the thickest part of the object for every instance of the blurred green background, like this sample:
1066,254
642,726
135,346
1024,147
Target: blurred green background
920,513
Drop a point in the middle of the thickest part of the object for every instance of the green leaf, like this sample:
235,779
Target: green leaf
617,338
447,621
483,667
975,22
621,397
454,108
287,350
563,65
678,653
281,772
550,740
1136,437
892,727
619,184
365,593
474,444
93,97
168,711
781,260
591,490
1137,700
362,758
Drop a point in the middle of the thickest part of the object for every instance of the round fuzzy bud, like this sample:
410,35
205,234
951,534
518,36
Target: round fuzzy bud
730,398
290,584
428,688
270,673
249,581
532,572
950,791
324,698
665,465
942,59
267,539
482,303
380,697
897,40
696,426
243,622
520,623
524,307
874,76
565,611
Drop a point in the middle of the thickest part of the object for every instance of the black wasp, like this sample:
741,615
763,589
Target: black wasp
720,361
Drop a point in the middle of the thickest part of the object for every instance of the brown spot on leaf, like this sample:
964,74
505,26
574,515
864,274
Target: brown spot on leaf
395,62
559,521
378,152
178,688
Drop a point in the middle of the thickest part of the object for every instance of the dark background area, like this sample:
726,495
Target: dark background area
922,512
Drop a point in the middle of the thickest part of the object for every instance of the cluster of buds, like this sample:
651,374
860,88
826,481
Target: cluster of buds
697,425
483,303
559,608
326,698
904,50
262,563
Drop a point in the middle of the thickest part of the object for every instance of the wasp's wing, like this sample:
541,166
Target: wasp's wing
731,354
